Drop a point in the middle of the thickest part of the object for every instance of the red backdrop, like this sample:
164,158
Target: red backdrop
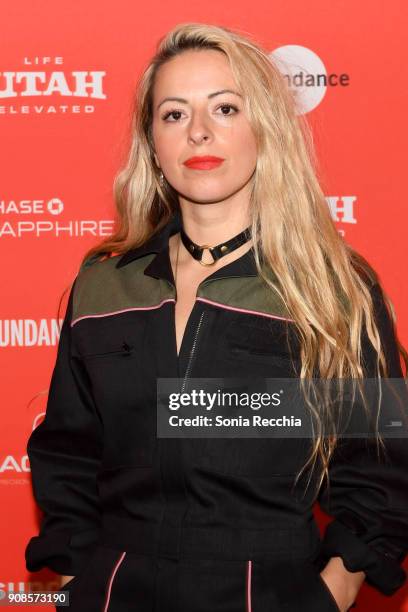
61,146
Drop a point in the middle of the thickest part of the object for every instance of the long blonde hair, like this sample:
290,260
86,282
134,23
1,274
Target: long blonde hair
291,224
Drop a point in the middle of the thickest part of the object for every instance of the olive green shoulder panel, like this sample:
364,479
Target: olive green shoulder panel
101,288
247,294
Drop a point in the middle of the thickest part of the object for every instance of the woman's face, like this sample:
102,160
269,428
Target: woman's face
201,125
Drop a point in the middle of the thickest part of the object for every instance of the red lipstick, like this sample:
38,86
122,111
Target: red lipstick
204,162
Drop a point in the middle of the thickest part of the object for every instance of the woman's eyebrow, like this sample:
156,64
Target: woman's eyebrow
211,95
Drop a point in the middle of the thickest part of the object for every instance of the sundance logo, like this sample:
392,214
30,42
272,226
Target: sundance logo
28,332
307,75
36,81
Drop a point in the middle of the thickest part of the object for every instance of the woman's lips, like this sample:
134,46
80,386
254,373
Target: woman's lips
203,165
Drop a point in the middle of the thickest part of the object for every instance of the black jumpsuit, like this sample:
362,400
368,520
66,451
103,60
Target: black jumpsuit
176,525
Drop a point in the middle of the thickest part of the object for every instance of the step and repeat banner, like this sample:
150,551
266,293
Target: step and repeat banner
67,76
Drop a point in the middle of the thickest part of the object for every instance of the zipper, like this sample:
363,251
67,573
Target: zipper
202,284
193,348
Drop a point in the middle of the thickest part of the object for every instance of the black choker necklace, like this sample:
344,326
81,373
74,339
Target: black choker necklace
218,251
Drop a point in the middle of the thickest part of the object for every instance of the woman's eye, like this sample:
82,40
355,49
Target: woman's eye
228,106
169,113
174,112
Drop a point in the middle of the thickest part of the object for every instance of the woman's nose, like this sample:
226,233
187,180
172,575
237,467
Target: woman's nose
198,129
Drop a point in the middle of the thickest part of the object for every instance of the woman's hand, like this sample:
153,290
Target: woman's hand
343,585
65,579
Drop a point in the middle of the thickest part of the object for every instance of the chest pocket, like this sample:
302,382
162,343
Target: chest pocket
261,348
114,357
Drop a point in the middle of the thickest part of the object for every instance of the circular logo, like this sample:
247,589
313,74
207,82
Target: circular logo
302,67
55,206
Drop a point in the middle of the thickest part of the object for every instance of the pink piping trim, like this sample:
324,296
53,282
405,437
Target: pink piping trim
115,569
262,314
199,299
108,314
248,587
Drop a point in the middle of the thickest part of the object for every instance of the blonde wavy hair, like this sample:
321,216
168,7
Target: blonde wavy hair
291,224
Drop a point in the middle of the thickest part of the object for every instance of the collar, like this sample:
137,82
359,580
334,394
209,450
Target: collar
160,266
155,244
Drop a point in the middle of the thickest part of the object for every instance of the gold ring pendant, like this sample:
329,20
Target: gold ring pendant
206,246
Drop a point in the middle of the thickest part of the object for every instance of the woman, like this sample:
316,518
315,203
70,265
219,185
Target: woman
134,521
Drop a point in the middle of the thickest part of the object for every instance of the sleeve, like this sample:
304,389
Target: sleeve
368,498
64,453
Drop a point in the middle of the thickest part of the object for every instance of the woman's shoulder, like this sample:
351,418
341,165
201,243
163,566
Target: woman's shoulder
95,280
95,270
103,287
